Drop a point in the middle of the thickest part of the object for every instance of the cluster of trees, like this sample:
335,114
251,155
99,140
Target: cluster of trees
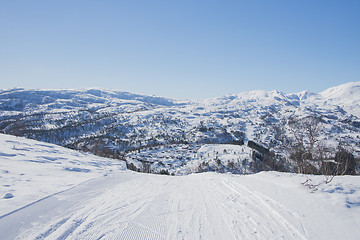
233,166
311,153
306,151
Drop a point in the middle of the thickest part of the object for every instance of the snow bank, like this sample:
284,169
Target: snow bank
31,170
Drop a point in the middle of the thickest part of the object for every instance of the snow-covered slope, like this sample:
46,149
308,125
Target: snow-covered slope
129,205
346,96
31,170
119,124
37,100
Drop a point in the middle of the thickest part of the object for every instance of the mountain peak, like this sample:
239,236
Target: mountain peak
346,96
351,89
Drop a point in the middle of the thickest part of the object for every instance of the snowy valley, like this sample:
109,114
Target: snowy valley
57,193
179,120
51,192
244,133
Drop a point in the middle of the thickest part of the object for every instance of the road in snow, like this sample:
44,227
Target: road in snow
131,205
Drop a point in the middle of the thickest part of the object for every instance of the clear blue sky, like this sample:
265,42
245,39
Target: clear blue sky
182,49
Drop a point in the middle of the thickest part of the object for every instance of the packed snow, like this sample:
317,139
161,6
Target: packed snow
54,197
31,170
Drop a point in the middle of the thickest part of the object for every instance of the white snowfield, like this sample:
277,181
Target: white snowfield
121,204
31,170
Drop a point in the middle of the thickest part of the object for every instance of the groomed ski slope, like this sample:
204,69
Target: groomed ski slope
201,206
126,205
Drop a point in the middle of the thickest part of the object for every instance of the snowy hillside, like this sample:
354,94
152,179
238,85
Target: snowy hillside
132,127
346,96
48,100
31,170
55,198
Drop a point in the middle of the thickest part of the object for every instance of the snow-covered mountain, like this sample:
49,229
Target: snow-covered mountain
49,192
346,96
47,100
151,133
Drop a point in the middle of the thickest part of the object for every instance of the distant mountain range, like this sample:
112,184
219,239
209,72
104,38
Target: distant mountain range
115,124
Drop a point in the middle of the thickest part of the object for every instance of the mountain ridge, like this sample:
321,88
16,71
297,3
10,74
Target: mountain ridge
115,124
96,91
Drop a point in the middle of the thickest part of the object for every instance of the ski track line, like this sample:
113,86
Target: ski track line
41,199
178,209
216,213
145,220
86,209
51,229
160,208
242,210
153,219
132,208
149,221
71,229
271,213
277,216
238,225
266,200
283,208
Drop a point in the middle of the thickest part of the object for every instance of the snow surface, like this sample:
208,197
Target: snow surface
31,170
50,202
346,96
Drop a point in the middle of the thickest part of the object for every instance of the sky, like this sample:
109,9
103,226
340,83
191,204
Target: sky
180,49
